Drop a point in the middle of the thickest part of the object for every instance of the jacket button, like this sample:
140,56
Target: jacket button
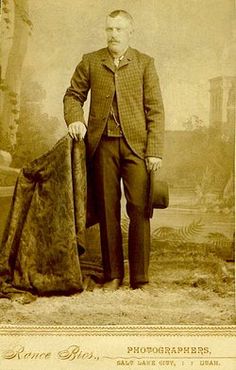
107,96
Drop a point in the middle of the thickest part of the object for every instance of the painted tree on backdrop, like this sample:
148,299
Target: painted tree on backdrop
16,28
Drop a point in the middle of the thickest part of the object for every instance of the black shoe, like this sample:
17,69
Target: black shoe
146,287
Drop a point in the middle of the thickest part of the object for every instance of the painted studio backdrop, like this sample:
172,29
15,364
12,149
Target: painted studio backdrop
193,43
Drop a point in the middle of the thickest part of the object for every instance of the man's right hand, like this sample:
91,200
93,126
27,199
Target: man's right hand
77,130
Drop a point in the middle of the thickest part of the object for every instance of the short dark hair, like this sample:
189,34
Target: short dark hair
122,13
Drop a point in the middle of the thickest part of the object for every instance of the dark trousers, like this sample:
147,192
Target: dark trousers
112,161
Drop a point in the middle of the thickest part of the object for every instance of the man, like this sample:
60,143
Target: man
124,138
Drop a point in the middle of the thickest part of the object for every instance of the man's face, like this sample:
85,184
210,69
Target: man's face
119,32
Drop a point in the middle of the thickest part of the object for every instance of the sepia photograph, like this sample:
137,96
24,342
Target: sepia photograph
117,178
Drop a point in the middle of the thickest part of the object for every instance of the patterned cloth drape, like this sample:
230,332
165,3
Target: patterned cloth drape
46,248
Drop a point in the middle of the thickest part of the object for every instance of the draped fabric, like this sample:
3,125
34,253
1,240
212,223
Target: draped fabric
46,248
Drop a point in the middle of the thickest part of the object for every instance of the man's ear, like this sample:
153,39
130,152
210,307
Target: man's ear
131,32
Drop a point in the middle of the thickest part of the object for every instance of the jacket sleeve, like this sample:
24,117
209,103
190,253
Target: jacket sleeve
154,112
76,94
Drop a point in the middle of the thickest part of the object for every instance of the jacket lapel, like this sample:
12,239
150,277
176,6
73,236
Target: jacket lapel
107,60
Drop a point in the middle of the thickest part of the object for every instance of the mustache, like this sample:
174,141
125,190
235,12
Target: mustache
113,40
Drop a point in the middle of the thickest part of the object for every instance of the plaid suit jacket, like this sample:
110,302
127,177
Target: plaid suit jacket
138,94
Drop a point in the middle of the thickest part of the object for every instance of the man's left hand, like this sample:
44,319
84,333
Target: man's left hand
153,163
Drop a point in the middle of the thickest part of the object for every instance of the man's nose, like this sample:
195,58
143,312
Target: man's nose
114,32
